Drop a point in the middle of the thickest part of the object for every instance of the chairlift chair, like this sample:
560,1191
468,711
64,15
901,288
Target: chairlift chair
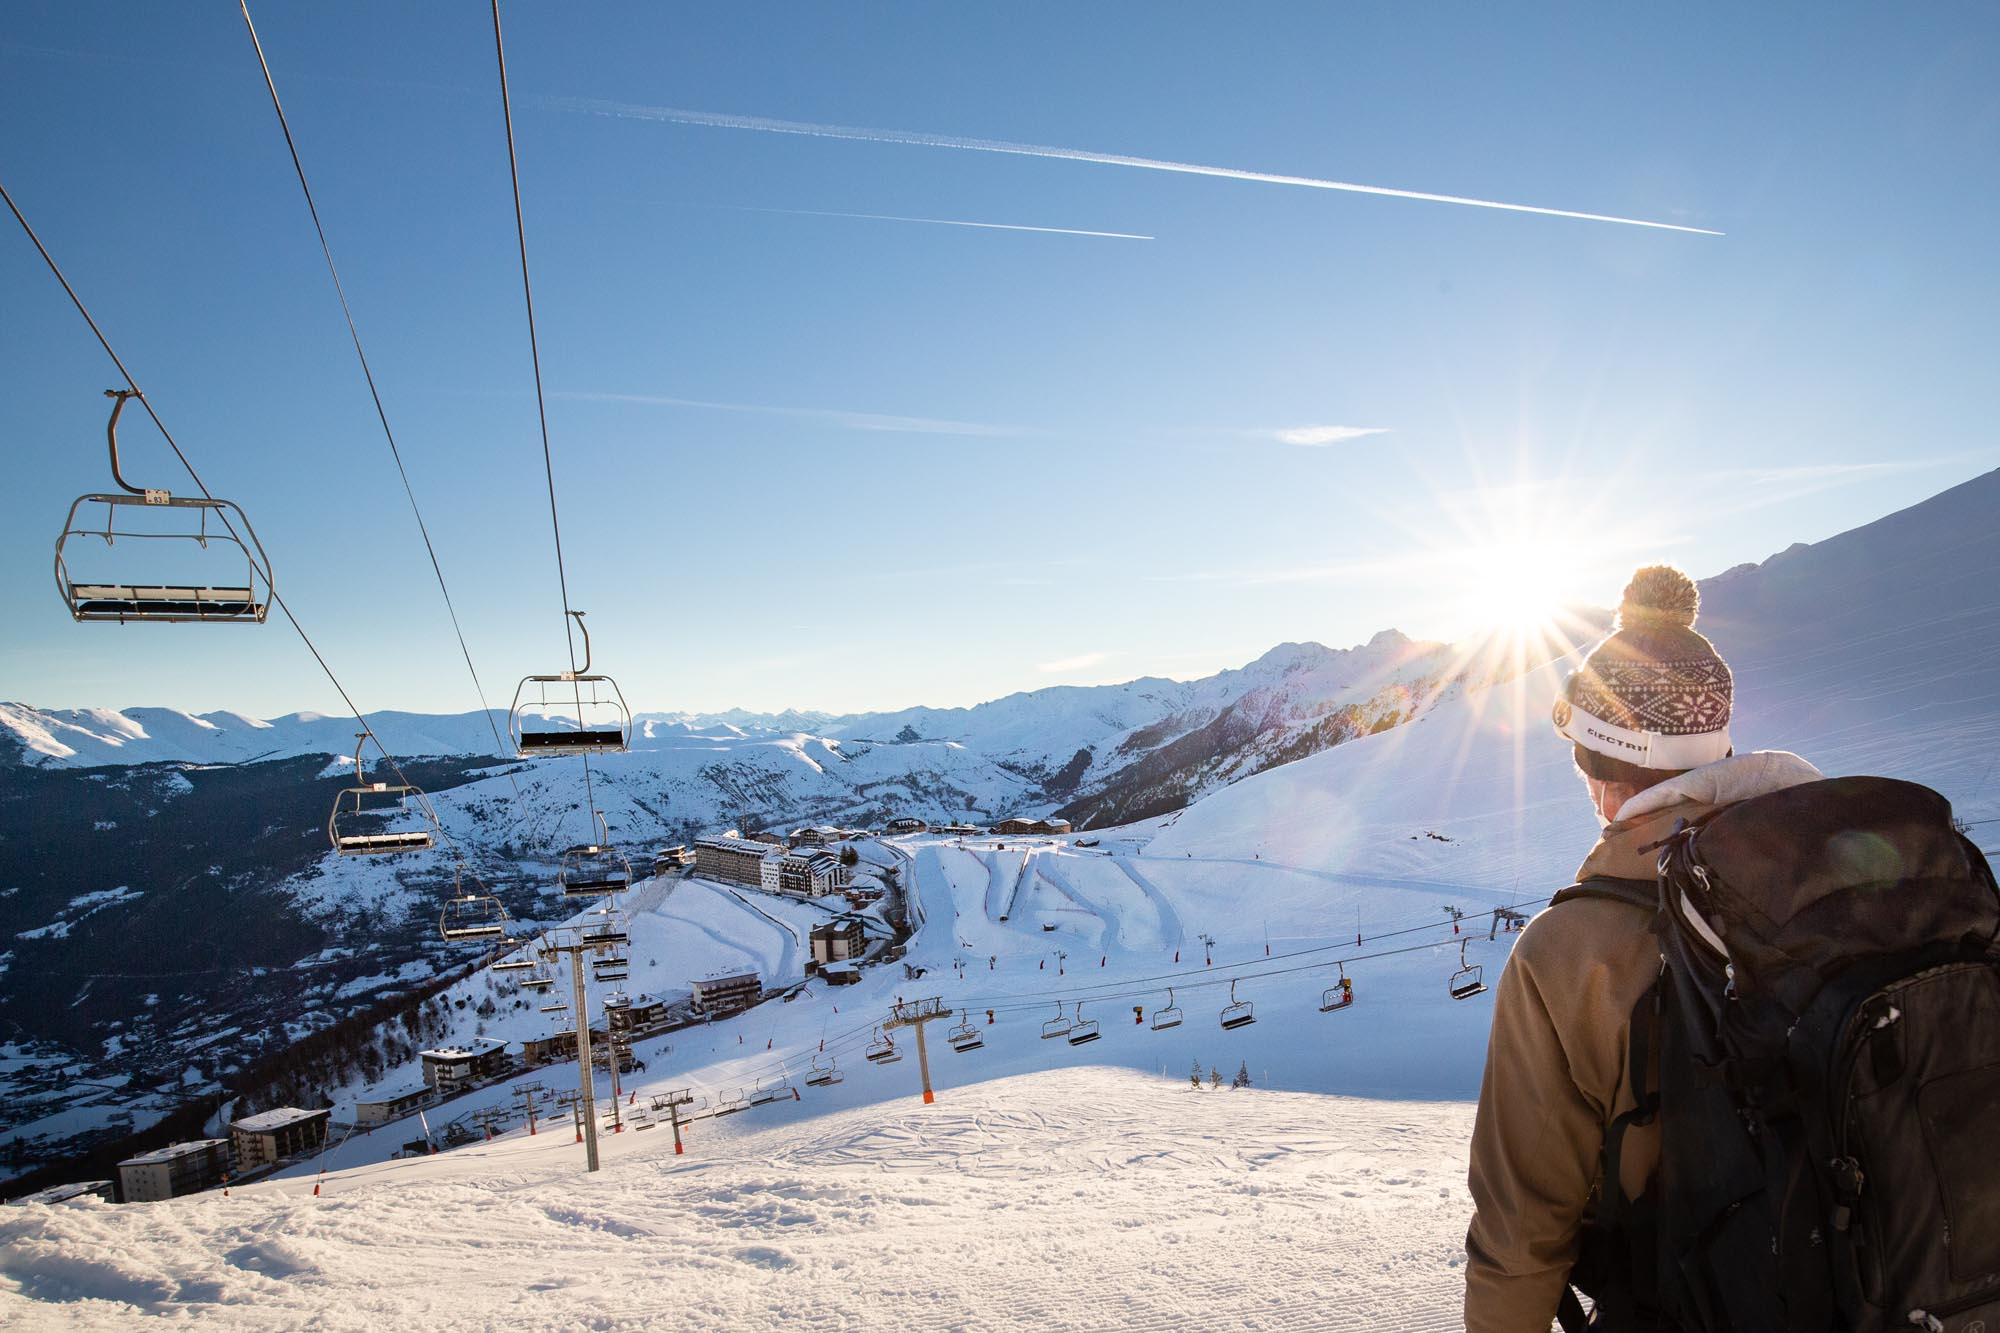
1169,1017
1339,995
1083,1029
538,983
882,1050
1057,1026
965,1037
544,706
611,969
1469,980
472,916
352,814
820,1076
556,1006
513,963
1238,1013
594,870
212,520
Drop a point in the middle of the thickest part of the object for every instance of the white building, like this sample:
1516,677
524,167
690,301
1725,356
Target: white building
167,1173
273,1136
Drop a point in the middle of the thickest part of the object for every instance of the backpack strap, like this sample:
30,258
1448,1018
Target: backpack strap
1643,893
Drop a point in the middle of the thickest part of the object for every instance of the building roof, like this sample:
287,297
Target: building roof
277,1118
477,1047
75,1189
395,1095
730,974
173,1151
843,968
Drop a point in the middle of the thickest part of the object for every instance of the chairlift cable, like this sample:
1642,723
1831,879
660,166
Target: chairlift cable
535,357
380,413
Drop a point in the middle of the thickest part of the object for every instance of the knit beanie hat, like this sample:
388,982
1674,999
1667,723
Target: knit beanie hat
1654,694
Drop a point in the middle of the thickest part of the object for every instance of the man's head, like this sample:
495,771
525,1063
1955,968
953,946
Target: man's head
1652,700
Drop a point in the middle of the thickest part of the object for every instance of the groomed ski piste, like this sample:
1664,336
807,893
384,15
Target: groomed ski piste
1052,1185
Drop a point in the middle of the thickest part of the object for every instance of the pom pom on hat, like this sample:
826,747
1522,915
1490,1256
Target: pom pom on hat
1659,595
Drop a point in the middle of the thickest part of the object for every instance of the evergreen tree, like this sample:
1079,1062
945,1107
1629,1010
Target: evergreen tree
1242,1079
1214,1077
1195,1077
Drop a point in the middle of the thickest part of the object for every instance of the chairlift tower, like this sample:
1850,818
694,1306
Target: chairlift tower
915,1015
527,1092
573,943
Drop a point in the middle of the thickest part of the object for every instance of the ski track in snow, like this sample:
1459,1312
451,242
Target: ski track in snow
1078,1200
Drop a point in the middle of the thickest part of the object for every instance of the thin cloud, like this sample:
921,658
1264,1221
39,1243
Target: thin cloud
939,222
1081,662
863,421
1320,436
767,125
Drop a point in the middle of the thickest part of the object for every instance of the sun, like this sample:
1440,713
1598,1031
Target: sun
1515,586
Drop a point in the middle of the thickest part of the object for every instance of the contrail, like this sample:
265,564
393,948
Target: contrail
718,120
938,222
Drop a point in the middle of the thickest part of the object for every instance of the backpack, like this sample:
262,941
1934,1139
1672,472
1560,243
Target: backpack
1821,1052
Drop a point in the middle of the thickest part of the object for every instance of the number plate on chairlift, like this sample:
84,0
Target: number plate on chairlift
157,497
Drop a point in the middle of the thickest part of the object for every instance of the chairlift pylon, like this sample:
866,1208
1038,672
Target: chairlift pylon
1339,995
351,808
1238,1013
1469,980
540,720
1083,1029
249,600
1169,1017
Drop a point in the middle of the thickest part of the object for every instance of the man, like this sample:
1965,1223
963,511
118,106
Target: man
1647,715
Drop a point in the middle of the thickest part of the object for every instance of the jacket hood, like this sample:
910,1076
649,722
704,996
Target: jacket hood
1625,850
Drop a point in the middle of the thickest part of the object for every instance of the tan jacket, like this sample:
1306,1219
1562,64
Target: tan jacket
1556,1062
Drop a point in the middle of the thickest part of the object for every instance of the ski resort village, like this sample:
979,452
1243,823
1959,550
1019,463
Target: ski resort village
915,666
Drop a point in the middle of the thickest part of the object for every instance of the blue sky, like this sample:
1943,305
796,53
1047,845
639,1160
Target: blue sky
850,462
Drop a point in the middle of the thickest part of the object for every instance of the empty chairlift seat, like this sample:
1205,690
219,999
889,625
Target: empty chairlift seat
965,1037
355,826
595,869
195,531
472,916
821,1076
1469,980
1057,1026
1238,1013
882,1050
570,712
1169,1017
1083,1029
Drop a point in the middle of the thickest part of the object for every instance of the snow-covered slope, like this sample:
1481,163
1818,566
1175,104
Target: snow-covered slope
1075,1200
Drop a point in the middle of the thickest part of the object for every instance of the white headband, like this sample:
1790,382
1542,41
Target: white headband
1643,749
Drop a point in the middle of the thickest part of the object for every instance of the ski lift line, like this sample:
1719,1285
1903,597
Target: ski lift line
277,598
381,414
1131,990
1221,977
534,344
